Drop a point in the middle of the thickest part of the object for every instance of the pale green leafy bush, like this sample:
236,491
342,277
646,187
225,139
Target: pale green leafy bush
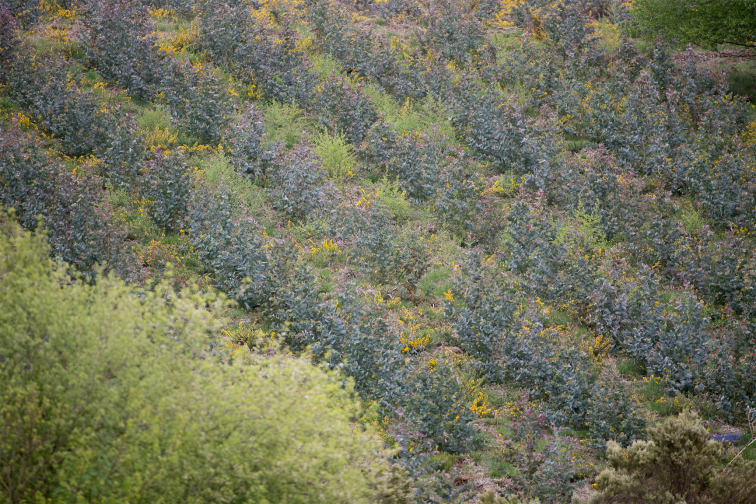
123,386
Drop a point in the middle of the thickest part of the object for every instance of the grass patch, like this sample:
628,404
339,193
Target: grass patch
653,393
650,390
505,432
579,144
392,198
629,369
287,123
750,452
743,82
575,433
159,131
324,65
435,282
443,461
7,105
337,153
501,468
412,115
218,172
690,218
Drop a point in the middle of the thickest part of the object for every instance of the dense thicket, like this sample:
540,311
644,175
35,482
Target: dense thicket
113,395
519,243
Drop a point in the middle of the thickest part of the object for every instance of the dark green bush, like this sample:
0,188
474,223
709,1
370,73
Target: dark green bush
8,42
613,416
231,250
547,465
698,22
80,223
26,12
122,46
256,52
342,106
165,185
298,184
198,100
453,35
121,152
244,139
44,85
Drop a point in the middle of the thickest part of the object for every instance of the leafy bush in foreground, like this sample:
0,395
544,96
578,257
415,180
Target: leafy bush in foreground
102,381
678,464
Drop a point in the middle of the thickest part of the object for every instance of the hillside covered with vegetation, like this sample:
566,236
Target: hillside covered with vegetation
389,251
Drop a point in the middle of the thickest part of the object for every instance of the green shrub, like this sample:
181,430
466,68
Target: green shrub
110,395
342,106
231,249
613,415
678,464
394,199
79,220
338,155
122,153
298,184
700,22
121,44
490,498
26,12
166,187
547,467
8,41
244,140
198,100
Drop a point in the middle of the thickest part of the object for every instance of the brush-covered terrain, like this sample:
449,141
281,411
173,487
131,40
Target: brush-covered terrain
495,242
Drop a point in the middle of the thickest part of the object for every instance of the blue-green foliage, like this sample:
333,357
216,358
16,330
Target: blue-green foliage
72,209
231,250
